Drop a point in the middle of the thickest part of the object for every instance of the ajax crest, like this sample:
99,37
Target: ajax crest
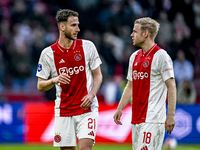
146,63
78,57
57,138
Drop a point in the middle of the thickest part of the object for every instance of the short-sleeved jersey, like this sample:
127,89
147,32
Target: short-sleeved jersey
148,73
78,62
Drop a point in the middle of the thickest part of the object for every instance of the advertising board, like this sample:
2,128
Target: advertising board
33,122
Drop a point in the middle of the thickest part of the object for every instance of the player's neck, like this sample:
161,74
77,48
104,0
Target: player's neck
65,42
147,46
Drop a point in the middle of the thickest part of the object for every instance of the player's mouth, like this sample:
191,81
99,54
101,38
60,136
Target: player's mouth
75,35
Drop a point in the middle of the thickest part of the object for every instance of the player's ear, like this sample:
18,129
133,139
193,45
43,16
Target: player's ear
62,26
146,33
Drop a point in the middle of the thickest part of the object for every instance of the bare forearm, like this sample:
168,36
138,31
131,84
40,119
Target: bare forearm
96,84
170,121
96,81
45,85
171,98
87,100
171,102
126,96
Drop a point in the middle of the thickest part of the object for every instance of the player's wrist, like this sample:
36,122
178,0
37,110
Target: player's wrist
170,115
93,94
52,81
119,110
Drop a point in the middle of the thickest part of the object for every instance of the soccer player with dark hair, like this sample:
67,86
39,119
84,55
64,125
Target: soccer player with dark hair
73,66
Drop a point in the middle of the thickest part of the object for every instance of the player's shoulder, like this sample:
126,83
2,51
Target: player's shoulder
88,45
87,42
46,51
162,54
134,54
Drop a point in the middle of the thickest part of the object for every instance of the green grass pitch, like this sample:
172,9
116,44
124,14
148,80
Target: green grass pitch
96,147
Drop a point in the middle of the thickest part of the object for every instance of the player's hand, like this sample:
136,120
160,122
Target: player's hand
117,117
169,124
87,101
62,78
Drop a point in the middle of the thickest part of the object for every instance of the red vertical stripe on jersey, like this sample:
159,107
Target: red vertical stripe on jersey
71,62
141,84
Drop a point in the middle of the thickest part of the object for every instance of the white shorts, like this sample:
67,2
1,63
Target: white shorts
148,136
68,129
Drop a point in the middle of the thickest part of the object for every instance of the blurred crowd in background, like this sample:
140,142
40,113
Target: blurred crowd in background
28,26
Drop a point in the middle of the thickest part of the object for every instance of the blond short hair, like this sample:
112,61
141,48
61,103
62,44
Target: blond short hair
148,24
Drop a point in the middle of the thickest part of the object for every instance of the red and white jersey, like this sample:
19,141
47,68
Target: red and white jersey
148,73
77,62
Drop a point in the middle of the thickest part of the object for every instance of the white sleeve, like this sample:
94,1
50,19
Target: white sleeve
94,60
43,70
166,65
130,67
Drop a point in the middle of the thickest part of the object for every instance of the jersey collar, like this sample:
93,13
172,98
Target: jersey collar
62,49
149,51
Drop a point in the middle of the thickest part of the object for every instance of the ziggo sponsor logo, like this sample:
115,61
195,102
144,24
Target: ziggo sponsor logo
71,71
140,75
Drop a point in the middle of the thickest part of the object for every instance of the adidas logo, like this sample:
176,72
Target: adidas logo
135,64
91,133
144,148
61,61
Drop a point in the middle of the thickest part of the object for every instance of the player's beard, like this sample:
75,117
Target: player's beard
69,36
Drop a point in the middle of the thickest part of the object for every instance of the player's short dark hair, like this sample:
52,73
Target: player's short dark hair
63,15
